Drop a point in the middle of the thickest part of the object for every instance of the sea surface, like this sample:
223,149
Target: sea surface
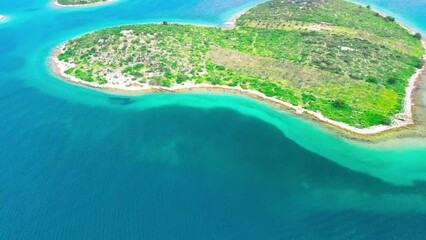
76,163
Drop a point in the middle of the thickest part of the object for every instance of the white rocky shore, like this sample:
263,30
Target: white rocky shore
402,119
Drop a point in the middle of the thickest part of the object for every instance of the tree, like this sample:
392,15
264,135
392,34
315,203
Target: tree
165,23
390,18
420,63
418,36
339,104
391,80
368,6
371,79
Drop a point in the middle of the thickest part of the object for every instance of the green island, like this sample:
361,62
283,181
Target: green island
79,2
343,60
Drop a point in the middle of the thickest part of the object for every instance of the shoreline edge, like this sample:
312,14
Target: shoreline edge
400,120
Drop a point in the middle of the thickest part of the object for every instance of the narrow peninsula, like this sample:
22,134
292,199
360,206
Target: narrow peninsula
79,3
343,63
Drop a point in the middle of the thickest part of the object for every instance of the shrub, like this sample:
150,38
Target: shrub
390,18
168,74
86,76
155,81
386,121
371,79
420,63
391,80
308,97
418,36
376,118
181,77
339,104
102,80
69,71
220,68
138,67
353,76
166,83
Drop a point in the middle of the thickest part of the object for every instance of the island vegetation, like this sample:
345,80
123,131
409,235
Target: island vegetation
79,2
341,59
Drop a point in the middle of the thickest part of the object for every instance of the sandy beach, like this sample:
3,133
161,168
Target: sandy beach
232,21
55,3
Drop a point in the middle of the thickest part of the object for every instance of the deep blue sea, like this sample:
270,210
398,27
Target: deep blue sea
76,163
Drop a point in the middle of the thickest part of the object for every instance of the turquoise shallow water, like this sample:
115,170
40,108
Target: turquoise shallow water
411,12
80,164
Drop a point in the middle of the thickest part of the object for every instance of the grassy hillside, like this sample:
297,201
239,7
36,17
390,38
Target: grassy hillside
335,57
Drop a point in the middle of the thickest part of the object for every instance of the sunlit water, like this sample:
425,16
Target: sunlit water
76,163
